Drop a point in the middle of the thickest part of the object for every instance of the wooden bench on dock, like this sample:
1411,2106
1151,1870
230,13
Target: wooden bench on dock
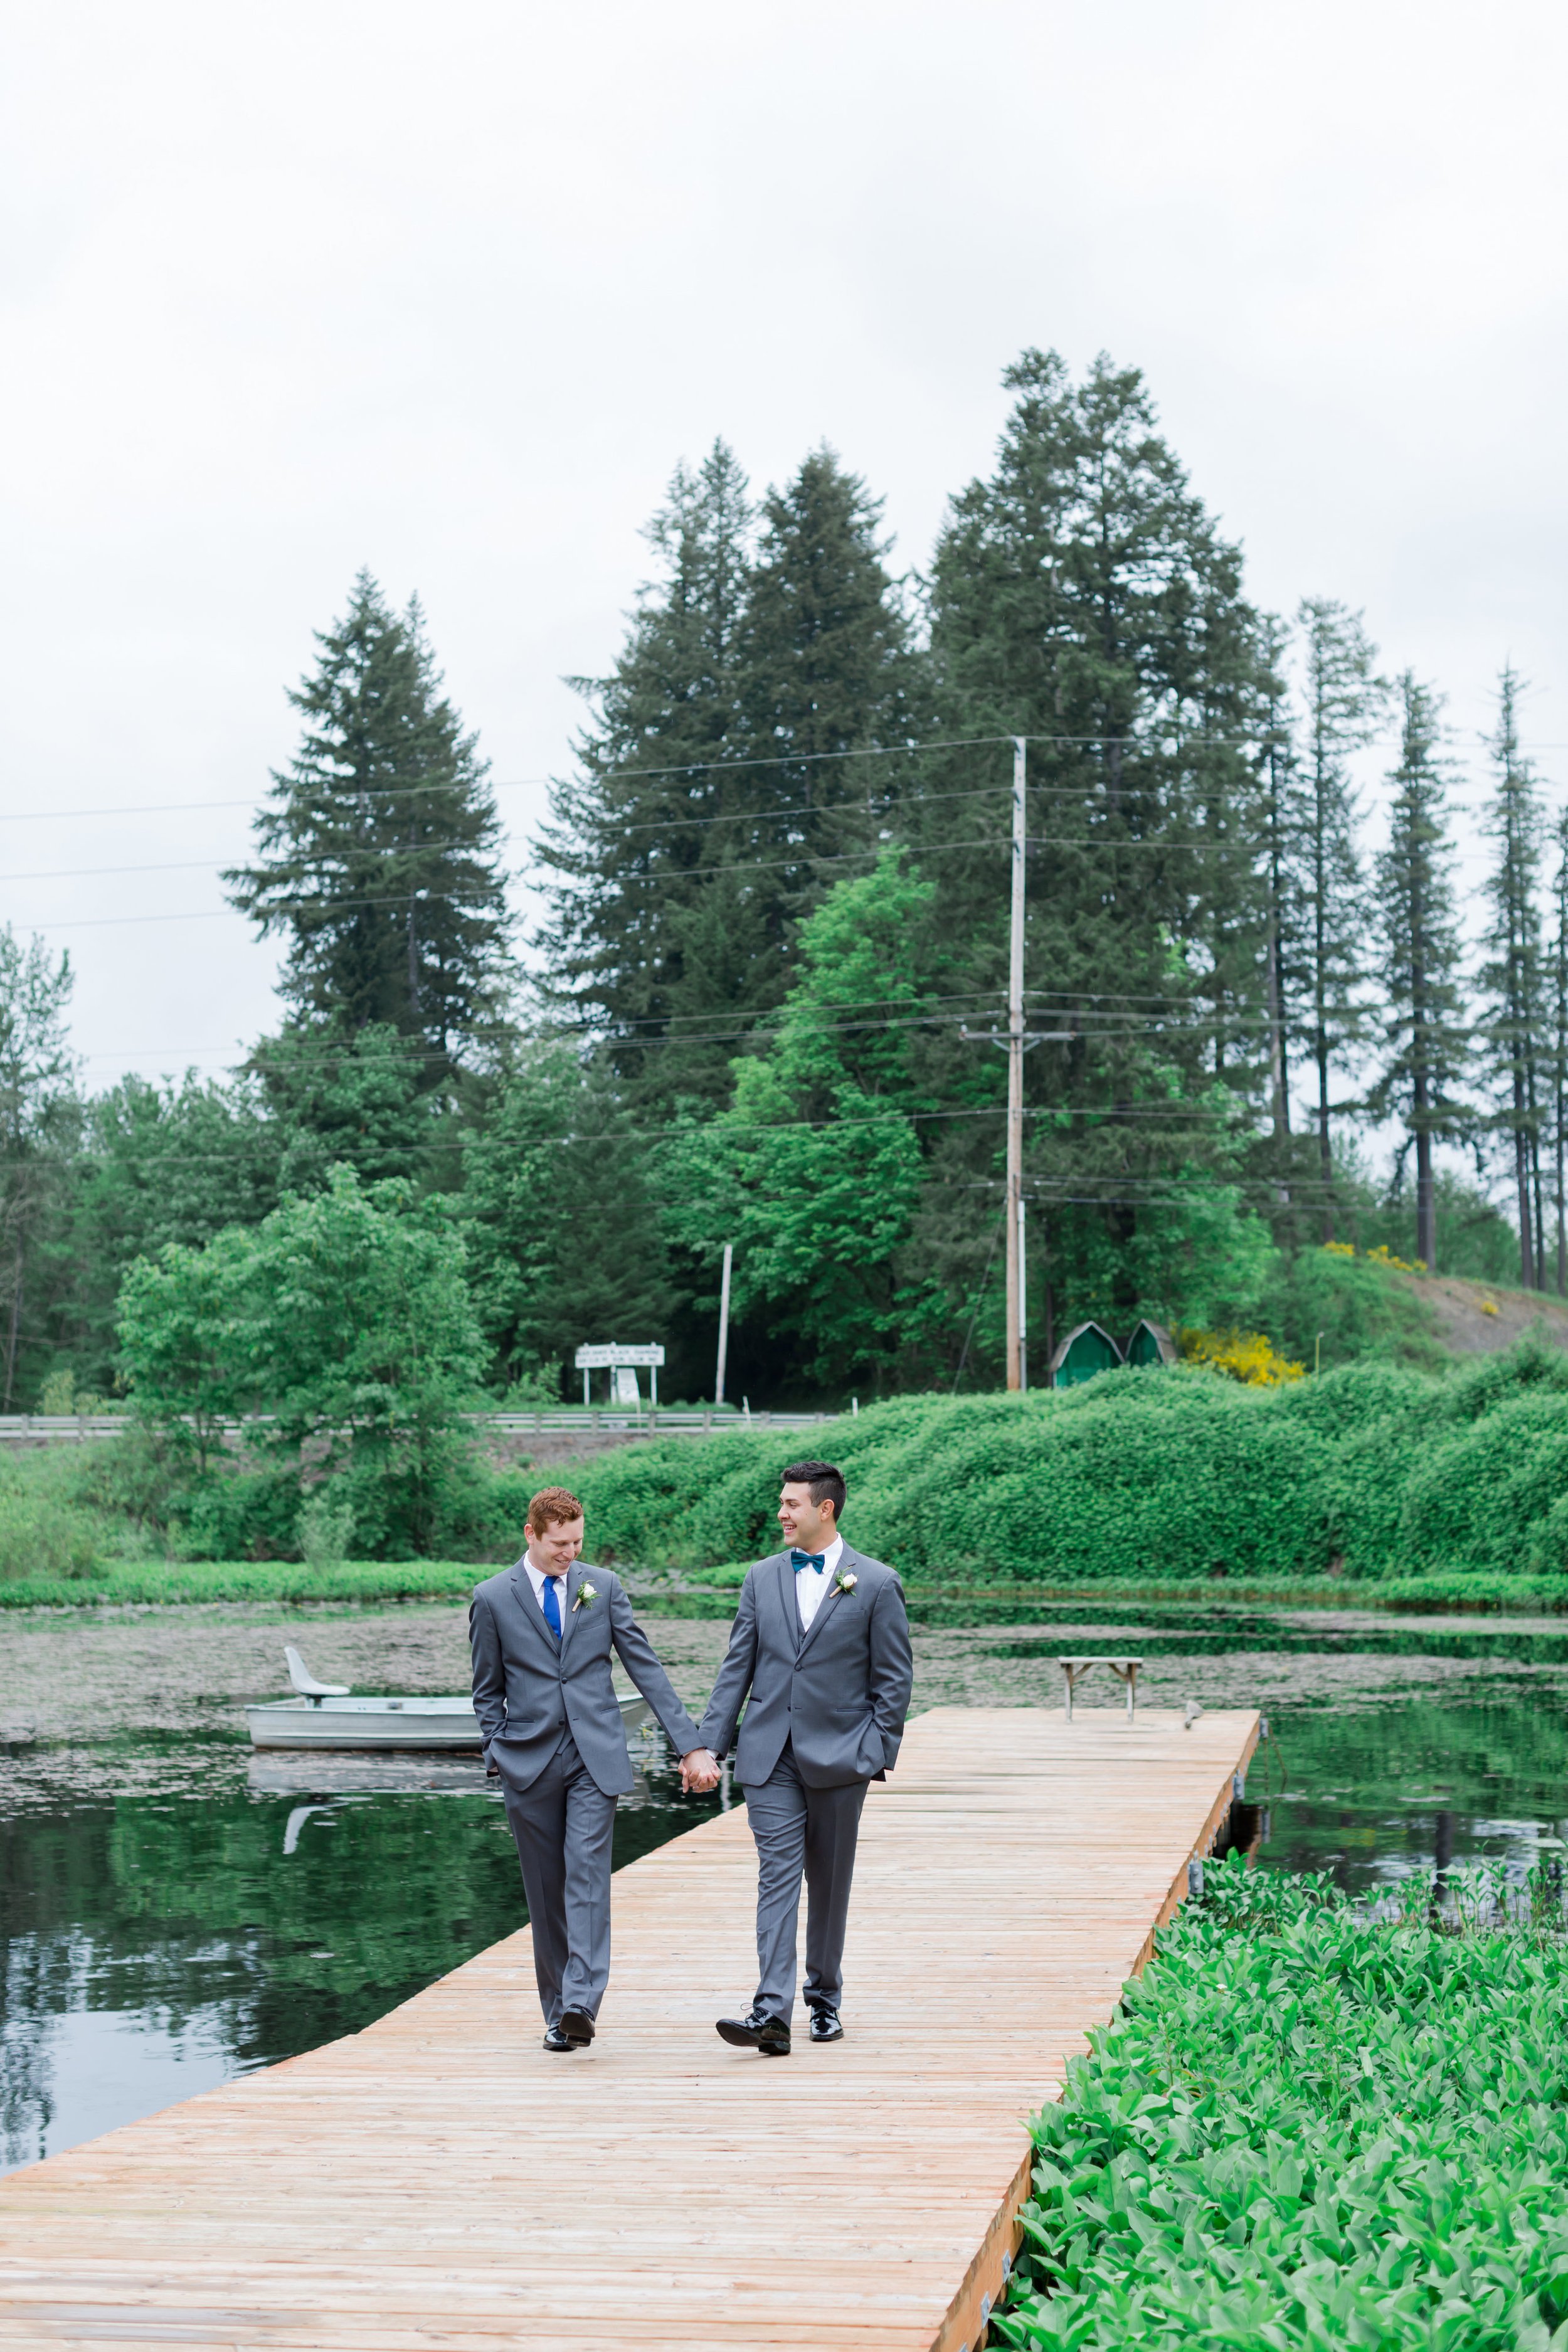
1126,1669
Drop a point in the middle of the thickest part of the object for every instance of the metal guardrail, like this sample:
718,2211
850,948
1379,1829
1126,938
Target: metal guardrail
72,1428
646,1424
64,1425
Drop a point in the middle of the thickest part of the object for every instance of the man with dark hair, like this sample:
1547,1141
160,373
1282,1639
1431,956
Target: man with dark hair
541,1635
819,1656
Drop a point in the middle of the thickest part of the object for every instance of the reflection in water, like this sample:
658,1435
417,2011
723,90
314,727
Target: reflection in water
175,1910
154,1948
1371,1793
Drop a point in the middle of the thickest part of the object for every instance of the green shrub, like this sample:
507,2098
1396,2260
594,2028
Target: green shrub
40,1536
1159,1475
326,1530
1168,1477
1364,1312
1308,2129
1161,1478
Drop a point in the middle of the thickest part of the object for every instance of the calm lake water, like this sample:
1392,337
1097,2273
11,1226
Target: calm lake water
174,1911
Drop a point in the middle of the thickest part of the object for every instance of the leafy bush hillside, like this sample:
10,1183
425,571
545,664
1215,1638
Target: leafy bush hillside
1377,1470
1372,1470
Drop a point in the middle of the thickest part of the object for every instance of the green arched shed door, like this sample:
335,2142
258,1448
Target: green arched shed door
1081,1354
1151,1344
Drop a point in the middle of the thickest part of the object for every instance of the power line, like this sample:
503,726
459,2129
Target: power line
1181,741
629,884
529,783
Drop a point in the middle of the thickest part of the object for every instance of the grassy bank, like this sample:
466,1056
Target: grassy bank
1307,2128
930,1603
156,1584
712,1592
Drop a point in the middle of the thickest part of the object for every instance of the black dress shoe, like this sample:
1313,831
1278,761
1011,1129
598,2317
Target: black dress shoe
825,2025
769,2036
555,2039
578,2027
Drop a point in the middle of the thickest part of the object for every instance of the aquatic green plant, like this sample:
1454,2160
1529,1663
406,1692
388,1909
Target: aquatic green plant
1312,2125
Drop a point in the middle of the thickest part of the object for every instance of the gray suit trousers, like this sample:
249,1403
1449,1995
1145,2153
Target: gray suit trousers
812,1831
563,1825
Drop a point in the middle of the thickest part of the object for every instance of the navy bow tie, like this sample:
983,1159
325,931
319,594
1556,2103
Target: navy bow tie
799,1560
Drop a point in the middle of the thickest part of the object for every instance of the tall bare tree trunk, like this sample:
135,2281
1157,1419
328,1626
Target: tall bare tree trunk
11,1336
1425,1190
1325,1147
1521,1179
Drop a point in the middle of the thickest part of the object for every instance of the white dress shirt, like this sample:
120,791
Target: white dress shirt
539,1578
812,1584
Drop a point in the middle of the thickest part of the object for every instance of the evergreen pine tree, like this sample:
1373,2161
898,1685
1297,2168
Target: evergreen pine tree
715,801
1515,1023
1560,1044
378,853
651,934
1277,764
1324,902
1081,596
1424,1034
830,671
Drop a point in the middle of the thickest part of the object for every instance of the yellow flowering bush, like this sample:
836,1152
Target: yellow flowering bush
1381,1256
1249,1357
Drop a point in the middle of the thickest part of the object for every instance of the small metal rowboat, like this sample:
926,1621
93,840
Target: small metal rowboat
326,1715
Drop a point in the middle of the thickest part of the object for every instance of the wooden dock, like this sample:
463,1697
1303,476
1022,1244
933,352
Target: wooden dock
438,2183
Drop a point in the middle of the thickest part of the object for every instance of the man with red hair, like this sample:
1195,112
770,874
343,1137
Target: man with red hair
542,1635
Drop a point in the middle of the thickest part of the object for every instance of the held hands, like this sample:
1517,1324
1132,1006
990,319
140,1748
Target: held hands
699,1771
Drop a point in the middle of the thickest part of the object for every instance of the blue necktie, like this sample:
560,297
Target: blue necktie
799,1560
552,1606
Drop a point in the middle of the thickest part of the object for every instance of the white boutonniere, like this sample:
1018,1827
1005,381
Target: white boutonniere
586,1595
845,1583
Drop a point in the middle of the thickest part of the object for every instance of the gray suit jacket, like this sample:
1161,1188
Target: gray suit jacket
527,1692
839,1691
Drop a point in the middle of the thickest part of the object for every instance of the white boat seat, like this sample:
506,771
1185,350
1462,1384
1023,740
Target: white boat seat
305,1682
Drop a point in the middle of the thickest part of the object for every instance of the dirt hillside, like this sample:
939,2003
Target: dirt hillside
1475,1319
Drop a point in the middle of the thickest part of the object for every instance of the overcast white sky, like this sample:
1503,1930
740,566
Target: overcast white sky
448,292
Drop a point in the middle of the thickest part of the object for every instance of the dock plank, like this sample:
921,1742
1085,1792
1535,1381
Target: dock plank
438,2183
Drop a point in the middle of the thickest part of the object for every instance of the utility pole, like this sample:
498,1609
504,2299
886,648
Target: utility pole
724,1324
1015,1083
1016,1042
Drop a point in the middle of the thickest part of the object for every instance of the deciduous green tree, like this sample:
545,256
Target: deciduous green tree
564,1238
347,1319
187,1338
38,1117
158,1163
813,1170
